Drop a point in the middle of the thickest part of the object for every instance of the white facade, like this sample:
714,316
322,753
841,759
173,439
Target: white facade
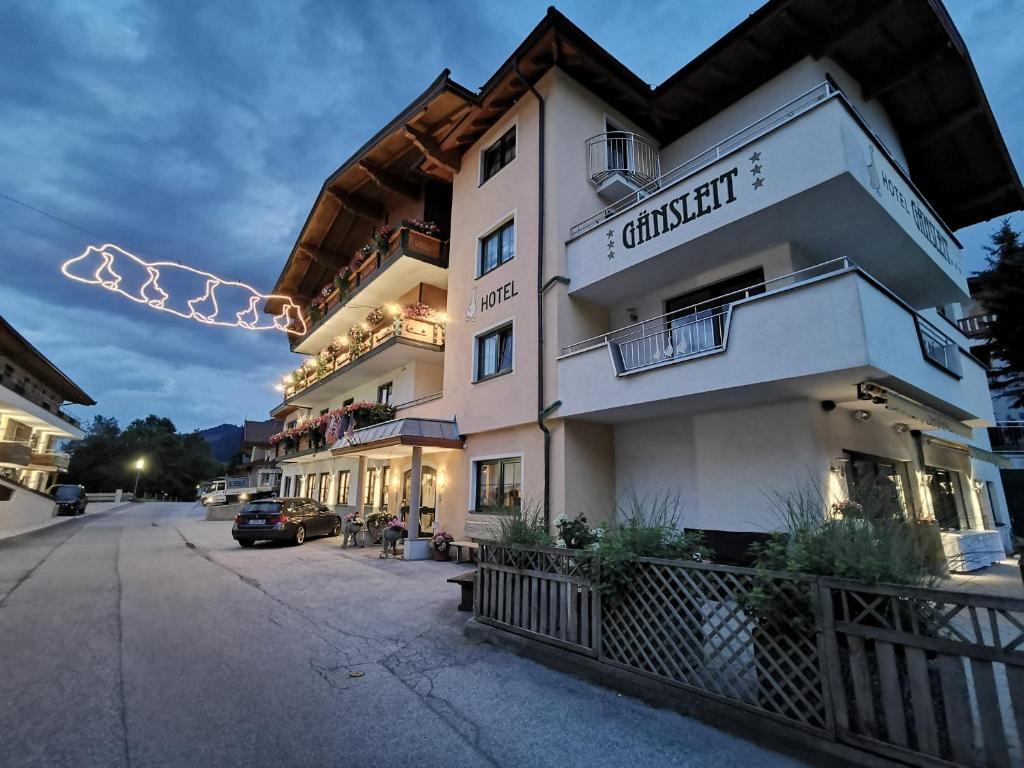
759,318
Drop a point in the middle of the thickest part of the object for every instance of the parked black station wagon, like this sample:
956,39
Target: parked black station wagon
283,520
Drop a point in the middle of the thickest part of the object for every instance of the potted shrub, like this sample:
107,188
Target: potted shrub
393,533
440,544
353,525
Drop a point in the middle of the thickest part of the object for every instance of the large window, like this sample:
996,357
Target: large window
385,478
498,484
310,486
371,484
881,485
325,487
298,486
494,352
384,392
343,483
287,489
947,498
499,154
497,248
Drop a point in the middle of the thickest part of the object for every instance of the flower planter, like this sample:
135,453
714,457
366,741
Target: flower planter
440,556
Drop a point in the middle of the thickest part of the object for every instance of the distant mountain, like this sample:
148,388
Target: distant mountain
224,440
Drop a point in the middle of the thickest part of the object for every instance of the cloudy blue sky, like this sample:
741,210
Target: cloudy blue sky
200,131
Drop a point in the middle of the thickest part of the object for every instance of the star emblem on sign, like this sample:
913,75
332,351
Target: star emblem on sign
758,183
756,157
756,169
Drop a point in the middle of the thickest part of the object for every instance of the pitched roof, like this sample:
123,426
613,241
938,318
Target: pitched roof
17,348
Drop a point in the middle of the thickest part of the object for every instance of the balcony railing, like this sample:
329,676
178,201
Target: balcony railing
10,381
404,241
332,360
703,328
938,348
51,460
620,152
1007,437
15,453
758,128
976,325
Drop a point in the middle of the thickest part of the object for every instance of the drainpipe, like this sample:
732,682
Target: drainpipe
542,412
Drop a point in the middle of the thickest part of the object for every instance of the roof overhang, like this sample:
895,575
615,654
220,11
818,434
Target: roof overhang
411,432
17,348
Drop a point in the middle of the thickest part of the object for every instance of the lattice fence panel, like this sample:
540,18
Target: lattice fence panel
699,626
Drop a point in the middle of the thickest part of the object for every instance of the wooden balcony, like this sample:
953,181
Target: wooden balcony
50,461
14,453
404,246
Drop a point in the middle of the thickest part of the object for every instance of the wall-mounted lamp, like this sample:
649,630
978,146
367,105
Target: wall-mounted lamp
861,415
633,316
442,479
900,428
978,485
839,466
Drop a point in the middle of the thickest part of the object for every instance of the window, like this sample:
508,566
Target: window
371,483
497,248
696,320
384,393
310,486
298,485
498,484
947,498
499,154
494,353
879,484
287,490
343,481
385,474
325,487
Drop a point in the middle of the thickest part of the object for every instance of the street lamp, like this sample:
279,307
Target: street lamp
140,464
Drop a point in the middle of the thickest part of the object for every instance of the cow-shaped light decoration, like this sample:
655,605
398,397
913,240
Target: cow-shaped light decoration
183,291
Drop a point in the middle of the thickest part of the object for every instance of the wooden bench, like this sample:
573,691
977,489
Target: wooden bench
469,547
467,581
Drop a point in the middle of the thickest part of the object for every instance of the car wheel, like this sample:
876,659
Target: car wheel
336,530
245,542
300,535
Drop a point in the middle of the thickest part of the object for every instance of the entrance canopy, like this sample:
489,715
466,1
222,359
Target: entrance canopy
388,440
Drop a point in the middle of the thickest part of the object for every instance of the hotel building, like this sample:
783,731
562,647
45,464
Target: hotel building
571,286
33,426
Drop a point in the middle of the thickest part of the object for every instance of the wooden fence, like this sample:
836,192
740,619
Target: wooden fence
928,677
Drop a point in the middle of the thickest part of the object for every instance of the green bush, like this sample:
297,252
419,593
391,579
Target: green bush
521,526
646,525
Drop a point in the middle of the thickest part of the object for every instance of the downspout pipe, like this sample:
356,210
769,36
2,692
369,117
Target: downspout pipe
542,412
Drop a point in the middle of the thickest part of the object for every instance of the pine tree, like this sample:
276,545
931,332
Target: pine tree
1001,291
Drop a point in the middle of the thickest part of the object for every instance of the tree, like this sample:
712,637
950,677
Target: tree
1001,291
174,463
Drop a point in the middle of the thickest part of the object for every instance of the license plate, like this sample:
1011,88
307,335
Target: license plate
256,521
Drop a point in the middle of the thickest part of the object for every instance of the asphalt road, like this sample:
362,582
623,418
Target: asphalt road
146,637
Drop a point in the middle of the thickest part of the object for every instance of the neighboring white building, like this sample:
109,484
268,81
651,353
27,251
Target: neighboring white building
33,427
724,287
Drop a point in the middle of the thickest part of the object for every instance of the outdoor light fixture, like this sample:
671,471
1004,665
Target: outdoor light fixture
442,317
978,485
395,310
442,479
861,415
839,466
344,341
901,428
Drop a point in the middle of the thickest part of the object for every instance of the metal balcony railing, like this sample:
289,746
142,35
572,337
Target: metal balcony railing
621,152
758,128
976,325
1007,437
703,328
938,348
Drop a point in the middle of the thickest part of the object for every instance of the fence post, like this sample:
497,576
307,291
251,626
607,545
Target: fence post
596,619
836,717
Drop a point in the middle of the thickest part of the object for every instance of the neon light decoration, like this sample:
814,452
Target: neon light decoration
183,291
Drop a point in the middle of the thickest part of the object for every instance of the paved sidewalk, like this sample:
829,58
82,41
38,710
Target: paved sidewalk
1002,579
91,509
148,637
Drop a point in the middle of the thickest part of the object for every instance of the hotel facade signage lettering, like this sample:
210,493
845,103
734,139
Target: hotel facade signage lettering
692,204
498,295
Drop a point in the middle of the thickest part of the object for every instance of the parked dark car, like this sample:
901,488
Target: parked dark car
283,520
70,499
